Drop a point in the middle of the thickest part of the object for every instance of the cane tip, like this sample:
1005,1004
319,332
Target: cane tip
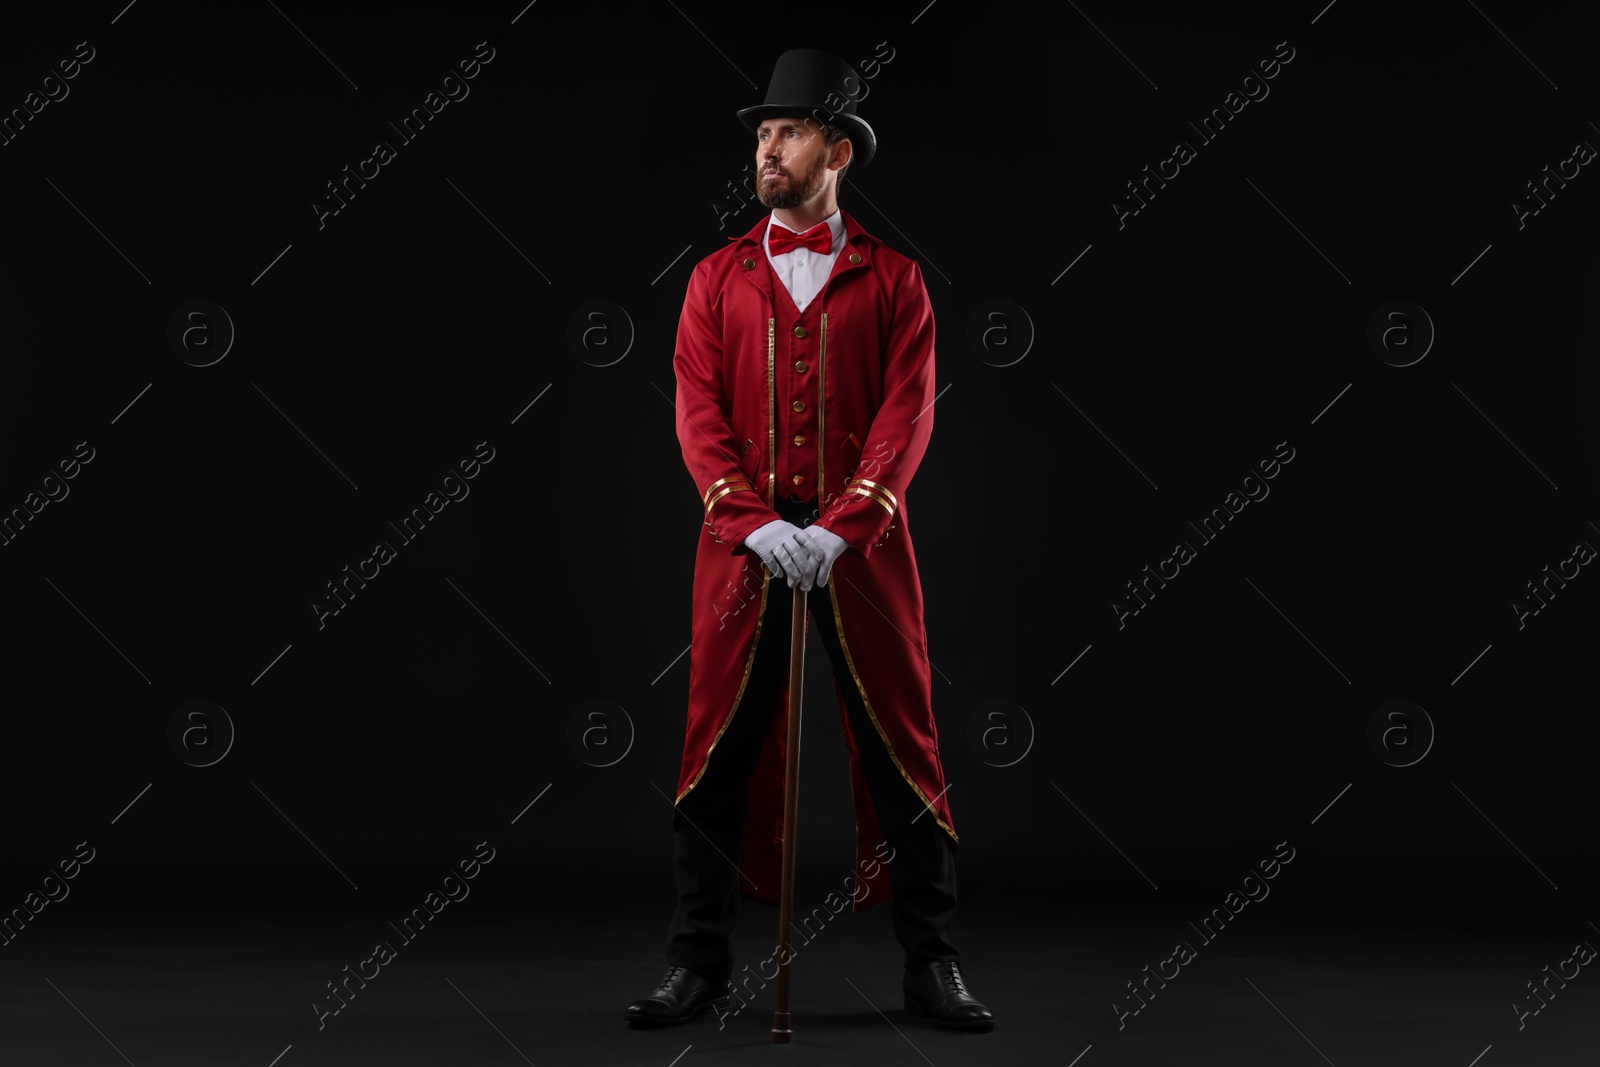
781,1032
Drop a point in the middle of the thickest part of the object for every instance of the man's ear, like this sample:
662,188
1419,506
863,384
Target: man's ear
842,151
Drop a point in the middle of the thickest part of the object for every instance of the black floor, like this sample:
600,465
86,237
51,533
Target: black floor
1346,982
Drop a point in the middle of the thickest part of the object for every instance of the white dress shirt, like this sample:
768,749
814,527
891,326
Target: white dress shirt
802,271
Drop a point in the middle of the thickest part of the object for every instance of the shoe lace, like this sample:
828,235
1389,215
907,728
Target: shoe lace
672,973
952,975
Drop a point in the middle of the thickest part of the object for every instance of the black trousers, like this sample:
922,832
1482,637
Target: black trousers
710,821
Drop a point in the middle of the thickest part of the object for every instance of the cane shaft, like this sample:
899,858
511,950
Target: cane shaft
781,1022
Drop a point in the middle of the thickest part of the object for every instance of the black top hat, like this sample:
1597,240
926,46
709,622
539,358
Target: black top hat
803,83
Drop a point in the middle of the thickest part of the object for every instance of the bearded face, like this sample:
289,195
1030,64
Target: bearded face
801,167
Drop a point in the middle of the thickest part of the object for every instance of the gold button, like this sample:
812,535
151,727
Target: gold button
749,264
799,405
799,331
855,257
800,365
799,438
799,479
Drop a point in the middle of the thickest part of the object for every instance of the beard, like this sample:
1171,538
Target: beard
790,190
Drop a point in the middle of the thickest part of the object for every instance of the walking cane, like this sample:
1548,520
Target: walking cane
781,1023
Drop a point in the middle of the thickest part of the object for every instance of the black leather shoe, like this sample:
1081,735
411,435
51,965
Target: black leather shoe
679,996
939,992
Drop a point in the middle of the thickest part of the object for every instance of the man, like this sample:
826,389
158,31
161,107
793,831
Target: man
804,364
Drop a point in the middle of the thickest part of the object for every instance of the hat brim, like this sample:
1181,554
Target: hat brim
863,142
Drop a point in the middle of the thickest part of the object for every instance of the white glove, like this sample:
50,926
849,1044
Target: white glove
826,545
779,546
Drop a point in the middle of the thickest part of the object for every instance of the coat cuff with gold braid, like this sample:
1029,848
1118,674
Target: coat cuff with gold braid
736,519
721,488
847,520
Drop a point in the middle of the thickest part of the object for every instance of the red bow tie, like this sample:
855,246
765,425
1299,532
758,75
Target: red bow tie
819,239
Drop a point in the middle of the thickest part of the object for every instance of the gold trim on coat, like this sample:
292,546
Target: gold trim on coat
761,617
772,415
881,488
724,492
833,596
838,628
706,499
766,578
873,494
822,406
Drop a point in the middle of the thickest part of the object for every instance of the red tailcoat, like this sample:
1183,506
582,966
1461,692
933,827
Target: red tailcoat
858,364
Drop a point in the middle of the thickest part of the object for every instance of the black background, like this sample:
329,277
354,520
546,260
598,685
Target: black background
1211,326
